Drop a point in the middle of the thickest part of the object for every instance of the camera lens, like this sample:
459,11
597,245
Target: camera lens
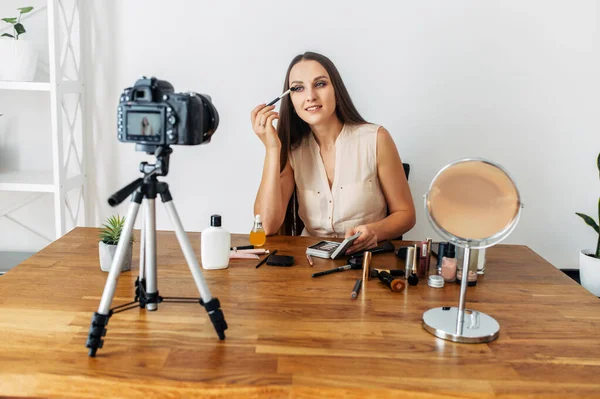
210,119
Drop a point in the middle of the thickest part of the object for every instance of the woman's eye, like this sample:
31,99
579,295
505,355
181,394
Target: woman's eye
297,88
319,84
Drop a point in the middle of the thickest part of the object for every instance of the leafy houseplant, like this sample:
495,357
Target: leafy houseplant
109,238
18,27
19,57
589,260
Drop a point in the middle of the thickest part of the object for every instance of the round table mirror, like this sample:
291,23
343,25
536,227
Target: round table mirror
473,203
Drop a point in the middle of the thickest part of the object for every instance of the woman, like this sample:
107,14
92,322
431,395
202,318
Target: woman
346,173
146,128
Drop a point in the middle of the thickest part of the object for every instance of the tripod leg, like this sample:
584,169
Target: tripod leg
151,283
100,318
211,304
140,284
143,245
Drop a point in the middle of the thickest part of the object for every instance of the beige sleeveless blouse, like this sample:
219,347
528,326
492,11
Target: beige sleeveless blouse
355,196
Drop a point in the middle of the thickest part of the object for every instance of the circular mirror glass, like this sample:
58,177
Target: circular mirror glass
473,202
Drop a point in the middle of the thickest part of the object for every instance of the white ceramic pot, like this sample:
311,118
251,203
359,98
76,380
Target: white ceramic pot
107,253
19,60
589,271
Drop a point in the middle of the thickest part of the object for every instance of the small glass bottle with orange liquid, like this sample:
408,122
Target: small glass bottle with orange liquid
257,234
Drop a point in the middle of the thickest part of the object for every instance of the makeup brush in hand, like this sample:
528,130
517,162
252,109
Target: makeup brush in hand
285,93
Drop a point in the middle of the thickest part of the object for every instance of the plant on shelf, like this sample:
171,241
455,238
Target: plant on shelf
18,27
19,56
589,260
109,238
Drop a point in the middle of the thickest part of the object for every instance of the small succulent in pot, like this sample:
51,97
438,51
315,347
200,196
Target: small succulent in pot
110,235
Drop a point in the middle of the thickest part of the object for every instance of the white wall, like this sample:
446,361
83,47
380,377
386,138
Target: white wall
516,82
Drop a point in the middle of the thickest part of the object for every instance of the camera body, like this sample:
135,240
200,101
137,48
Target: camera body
151,114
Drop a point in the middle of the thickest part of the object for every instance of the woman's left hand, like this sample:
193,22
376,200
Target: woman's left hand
366,240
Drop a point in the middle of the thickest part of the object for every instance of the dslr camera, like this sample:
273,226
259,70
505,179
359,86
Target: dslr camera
152,115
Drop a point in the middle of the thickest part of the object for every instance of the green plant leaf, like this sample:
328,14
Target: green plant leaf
25,10
112,229
7,35
589,221
598,162
20,29
10,20
598,244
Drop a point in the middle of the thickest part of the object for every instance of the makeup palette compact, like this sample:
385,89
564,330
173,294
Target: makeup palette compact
473,203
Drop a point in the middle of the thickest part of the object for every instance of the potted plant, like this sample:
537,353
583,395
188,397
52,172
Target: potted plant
589,260
109,238
19,57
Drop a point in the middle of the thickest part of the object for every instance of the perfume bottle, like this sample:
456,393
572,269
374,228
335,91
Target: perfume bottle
257,234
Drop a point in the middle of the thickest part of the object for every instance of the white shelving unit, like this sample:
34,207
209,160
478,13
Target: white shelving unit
25,86
66,180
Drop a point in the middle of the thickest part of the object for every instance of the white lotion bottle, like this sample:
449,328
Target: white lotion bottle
215,242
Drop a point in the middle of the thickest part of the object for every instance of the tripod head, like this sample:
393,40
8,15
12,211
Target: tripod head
150,171
161,167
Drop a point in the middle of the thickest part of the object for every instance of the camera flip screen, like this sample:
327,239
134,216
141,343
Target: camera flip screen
144,123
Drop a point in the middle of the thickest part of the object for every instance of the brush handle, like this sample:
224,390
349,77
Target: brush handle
356,289
331,271
279,98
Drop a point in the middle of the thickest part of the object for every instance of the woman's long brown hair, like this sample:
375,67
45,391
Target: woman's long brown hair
291,129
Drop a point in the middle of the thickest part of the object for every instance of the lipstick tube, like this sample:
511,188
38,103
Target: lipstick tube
422,268
408,261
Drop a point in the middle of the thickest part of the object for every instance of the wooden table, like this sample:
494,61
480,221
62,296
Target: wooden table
291,335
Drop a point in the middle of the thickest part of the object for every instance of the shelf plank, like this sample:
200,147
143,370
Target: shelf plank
32,181
27,86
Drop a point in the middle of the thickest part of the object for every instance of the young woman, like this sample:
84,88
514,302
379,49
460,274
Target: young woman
146,129
345,173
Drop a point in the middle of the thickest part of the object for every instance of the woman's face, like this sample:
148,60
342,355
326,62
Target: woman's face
314,98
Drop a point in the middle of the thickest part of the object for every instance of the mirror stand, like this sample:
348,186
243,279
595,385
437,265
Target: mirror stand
458,324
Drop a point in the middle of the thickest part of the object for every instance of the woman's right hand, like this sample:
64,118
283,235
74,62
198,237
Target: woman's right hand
262,118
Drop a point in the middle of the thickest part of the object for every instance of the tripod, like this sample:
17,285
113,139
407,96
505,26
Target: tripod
146,292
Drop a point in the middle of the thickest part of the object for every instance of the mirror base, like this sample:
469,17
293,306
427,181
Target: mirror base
477,327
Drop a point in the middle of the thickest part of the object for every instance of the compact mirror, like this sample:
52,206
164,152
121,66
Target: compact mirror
472,203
